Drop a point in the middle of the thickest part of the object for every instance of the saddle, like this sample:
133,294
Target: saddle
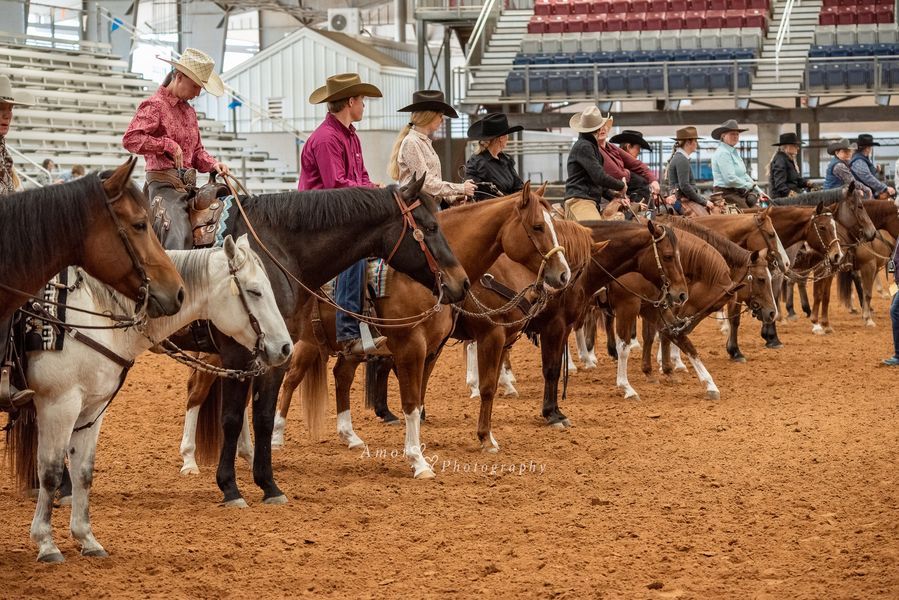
203,204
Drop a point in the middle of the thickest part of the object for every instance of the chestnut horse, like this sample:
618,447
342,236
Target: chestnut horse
97,222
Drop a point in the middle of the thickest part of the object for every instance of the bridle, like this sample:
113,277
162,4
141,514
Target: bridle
663,302
409,224
558,249
143,294
814,226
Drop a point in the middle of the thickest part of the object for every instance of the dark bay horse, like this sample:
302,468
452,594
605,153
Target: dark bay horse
98,223
315,236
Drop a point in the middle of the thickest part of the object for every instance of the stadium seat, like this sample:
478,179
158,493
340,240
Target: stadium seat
826,35
589,42
677,78
630,41
543,7
669,40
866,34
860,74
580,82
650,40
557,82
655,81
571,43
582,7
636,81
531,45
835,76
698,80
515,84
721,78
616,81
610,42
537,84
846,35
552,44
815,76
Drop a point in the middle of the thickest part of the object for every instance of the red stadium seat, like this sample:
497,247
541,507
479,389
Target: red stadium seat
615,22
654,21
714,19
635,22
543,7
694,19
677,5
885,14
601,7
575,24
555,24
756,18
866,15
759,4
673,20
657,6
697,5
561,7
595,23
638,6
737,5
537,24
582,7
733,19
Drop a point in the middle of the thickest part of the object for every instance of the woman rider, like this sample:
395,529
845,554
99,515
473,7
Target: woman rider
784,179
489,167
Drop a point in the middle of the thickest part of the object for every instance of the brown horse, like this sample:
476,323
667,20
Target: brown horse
97,222
518,225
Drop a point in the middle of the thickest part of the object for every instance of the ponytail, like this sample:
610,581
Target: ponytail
419,119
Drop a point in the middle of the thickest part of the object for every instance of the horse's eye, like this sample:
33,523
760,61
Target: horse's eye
538,227
140,226
253,292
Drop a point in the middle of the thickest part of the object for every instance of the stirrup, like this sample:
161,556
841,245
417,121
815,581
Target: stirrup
12,398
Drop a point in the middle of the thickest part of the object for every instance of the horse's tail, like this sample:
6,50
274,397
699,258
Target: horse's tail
21,449
844,287
314,394
209,420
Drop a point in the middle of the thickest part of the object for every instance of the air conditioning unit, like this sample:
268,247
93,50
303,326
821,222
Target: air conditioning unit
345,20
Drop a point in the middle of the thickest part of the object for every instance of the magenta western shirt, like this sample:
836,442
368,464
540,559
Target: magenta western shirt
332,158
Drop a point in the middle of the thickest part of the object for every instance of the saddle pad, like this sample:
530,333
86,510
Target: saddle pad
39,334
226,221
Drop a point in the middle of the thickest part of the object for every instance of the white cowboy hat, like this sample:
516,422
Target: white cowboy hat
198,65
589,120
11,96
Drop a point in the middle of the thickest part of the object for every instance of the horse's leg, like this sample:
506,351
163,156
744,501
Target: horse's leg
732,312
649,334
56,424
625,317
490,357
410,360
303,355
506,376
82,450
585,336
264,400
234,394
788,300
344,373
711,390
803,298
867,274
471,368
199,386
590,321
245,441
553,336
566,351
825,306
817,329
377,375
609,319
65,488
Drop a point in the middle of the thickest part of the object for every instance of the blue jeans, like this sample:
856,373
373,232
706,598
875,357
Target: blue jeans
894,316
349,296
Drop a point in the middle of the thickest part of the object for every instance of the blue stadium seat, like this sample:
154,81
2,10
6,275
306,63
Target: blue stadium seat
655,81
890,74
721,78
698,79
885,49
602,57
677,78
542,59
835,75
537,83
840,50
819,51
580,82
556,82
744,77
616,80
745,53
582,58
522,59
816,76
860,74
636,81
515,84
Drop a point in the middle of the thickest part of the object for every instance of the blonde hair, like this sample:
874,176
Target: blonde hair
419,119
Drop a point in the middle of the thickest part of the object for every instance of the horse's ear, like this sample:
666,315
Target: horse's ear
525,194
820,208
653,230
541,191
851,187
413,188
598,247
230,247
120,178
754,256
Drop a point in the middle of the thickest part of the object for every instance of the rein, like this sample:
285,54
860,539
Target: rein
662,302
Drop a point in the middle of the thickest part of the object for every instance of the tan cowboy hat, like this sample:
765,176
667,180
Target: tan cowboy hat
729,125
198,65
345,85
686,134
11,96
589,120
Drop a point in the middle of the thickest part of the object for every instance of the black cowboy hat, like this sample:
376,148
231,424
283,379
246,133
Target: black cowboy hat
430,100
492,126
629,136
788,138
866,139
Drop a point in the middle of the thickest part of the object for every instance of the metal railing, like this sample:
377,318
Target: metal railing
783,32
37,166
485,24
449,8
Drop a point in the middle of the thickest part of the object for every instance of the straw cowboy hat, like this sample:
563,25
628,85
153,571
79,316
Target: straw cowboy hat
866,139
198,65
841,144
430,100
589,120
686,134
789,138
492,126
345,85
729,125
629,136
11,96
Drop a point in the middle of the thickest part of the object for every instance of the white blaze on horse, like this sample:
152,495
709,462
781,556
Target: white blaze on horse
227,286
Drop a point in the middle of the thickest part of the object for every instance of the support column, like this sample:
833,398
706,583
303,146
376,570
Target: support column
15,16
401,18
813,155
421,39
204,26
448,95
768,135
100,29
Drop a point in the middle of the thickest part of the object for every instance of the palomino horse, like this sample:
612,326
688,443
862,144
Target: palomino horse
314,236
99,223
228,286
719,271
519,225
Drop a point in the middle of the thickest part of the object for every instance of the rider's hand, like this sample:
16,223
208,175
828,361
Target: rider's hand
178,157
891,191
670,200
654,187
469,187
222,169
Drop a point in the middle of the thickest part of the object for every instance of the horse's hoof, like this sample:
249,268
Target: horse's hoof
277,446
793,317
817,329
853,311
513,393
425,474
236,503
357,443
828,330
774,345
713,395
53,557
96,553
490,449
65,501
870,323
475,394
194,470
680,369
632,396
276,500
738,359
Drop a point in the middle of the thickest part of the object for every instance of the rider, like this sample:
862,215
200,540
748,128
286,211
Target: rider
413,154
729,170
838,172
9,183
332,158
865,171
639,187
165,131
680,175
589,186
489,167
784,179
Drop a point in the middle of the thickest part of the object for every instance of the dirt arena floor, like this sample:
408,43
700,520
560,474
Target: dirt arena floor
785,488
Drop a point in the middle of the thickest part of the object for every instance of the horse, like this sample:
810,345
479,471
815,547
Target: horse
519,225
226,285
98,222
315,235
719,272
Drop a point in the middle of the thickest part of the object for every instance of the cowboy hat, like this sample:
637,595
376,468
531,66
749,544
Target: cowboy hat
11,96
841,144
729,125
788,138
430,100
685,134
865,139
629,136
198,65
589,120
491,126
345,85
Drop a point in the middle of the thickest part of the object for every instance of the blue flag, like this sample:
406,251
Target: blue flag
116,23
234,103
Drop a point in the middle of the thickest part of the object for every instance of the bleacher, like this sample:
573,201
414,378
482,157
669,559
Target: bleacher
85,100
855,12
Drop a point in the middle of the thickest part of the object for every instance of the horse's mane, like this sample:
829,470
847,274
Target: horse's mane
57,217
577,241
317,210
701,260
812,198
879,209
732,253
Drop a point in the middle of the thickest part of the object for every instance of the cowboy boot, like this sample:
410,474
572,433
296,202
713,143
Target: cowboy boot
11,397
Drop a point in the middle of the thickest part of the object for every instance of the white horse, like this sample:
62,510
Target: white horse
73,386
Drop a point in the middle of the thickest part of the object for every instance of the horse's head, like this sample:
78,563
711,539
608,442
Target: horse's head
242,304
823,237
758,293
852,215
421,251
661,260
122,250
529,238
767,234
